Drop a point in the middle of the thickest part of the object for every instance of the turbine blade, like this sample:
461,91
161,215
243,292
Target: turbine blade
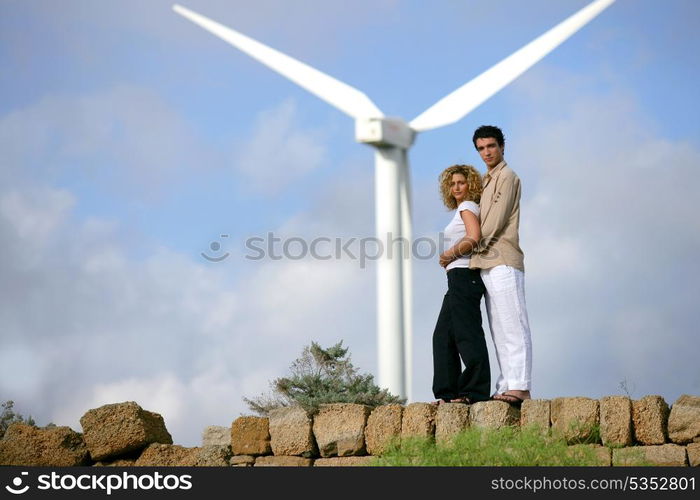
470,95
344,97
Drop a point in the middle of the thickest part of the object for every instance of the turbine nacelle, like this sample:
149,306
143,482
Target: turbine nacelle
384,132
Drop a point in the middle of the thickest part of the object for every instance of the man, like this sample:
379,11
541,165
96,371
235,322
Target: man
502,270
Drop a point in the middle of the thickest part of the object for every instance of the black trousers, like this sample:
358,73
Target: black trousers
458,333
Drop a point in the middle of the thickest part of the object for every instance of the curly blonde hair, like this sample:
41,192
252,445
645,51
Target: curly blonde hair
474,186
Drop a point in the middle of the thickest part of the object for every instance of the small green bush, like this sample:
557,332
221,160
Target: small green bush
322,376
8,416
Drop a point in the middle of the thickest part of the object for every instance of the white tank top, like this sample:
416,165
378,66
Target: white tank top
455,231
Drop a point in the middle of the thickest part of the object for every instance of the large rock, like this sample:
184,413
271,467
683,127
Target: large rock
650,419
418,420
283,461
616,421
693,450
118,429
169,455
576,419
216,435
344,461
594,454
250,436
242,461
536,413
339,429
291,432
684,421
383,428
213,455
450,419
27,445
665,454
493,414
119,462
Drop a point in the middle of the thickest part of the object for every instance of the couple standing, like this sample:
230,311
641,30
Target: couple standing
483,257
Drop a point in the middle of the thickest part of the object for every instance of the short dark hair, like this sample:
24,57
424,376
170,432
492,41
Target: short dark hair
487,131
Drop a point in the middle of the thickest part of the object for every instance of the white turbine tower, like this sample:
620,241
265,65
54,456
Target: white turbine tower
392,137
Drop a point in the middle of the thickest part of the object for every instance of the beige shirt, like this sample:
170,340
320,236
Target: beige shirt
500,221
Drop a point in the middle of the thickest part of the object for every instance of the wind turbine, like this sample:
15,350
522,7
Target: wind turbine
392,137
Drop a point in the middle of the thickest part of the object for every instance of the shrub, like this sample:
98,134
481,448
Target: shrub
322,376
8,417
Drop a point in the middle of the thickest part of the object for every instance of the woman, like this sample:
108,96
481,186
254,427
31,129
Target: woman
458,331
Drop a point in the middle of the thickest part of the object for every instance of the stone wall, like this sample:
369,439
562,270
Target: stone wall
620,430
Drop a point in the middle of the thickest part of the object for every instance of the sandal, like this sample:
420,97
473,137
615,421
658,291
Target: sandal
463,400
508,398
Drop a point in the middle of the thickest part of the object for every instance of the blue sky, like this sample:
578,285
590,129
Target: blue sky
131,139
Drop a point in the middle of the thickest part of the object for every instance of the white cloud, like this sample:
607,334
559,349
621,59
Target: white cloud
89,320
610,236
33,218
278,152
125,137
164,331
163,391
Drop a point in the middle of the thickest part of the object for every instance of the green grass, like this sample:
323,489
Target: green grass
509,446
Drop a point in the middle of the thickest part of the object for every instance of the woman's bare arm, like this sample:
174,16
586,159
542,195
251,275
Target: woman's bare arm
466,244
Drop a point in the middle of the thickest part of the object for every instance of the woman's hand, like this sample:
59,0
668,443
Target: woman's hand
445,259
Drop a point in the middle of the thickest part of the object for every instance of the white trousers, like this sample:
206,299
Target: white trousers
510,330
